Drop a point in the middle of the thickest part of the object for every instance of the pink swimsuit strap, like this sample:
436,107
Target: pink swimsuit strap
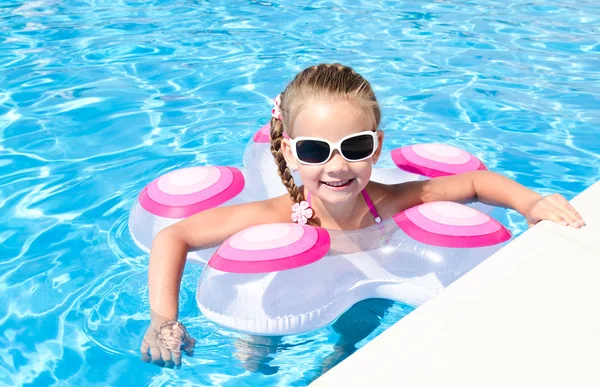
371,206
367,200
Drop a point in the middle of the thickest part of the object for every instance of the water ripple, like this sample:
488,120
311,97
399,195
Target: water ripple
98,97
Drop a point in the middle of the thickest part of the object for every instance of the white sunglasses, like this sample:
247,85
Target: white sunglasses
317,151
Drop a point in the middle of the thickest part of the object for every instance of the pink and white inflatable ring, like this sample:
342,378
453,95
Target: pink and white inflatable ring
187,191
271,247
434,160
449,224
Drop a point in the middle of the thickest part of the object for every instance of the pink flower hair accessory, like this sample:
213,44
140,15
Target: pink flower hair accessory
301,212
275,112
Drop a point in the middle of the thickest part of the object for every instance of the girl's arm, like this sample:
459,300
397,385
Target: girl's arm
168,256
203,230
498,190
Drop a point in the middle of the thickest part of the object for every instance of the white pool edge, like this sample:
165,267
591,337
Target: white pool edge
527,316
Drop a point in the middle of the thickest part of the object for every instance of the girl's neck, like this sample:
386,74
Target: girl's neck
340,216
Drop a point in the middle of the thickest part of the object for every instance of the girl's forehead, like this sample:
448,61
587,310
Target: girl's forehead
331,120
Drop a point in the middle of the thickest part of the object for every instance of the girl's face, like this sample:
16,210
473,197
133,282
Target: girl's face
337,180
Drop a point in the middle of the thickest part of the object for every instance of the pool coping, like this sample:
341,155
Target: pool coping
524,317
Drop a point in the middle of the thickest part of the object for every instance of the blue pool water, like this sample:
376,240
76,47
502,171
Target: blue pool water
98,97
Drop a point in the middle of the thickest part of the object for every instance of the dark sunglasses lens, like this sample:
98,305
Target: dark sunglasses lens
312,151
359,147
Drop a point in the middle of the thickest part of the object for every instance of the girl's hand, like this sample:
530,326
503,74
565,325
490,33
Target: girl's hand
555,208
163,343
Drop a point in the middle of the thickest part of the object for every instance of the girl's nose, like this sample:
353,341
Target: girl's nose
336,163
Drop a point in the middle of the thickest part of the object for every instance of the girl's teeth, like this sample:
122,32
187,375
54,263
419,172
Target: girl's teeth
338,183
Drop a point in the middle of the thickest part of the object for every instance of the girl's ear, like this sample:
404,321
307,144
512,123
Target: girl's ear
286,149
379,146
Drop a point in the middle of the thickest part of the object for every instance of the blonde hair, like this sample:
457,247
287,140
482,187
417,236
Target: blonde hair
331,82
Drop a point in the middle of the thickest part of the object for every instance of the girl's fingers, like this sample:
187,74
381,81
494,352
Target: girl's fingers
576,215
144,352
189,341
568,213
164,349
564,213
188,345
563,208
189,351
556,217
165,355
156,356
176,358
572,209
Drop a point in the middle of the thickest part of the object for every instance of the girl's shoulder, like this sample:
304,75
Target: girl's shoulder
272,210
280,207
390,199
211,227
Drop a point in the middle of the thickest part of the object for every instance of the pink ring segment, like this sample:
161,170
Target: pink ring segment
306,241
259,238
188,180
263,135
284,246
221,179
450,224
434,160
185,192
452,214
442,153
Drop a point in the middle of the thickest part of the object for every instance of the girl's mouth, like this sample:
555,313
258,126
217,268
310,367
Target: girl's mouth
338,184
